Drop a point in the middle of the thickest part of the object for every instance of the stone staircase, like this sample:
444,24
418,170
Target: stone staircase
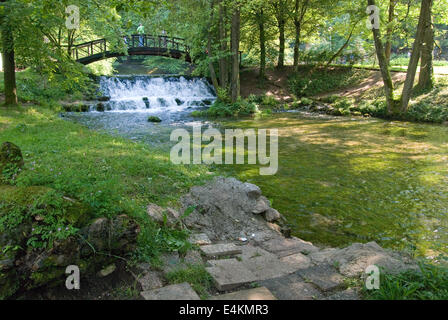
276,269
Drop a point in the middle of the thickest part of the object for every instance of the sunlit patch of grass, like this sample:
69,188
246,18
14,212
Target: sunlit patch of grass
110,174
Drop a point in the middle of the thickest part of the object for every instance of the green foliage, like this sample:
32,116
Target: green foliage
222,110
48,207
164,65
428,283
37,88
308,82
196,276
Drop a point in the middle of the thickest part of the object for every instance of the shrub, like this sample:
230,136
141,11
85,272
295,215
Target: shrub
221,110
269,101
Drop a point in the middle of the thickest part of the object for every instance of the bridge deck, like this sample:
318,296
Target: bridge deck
146,44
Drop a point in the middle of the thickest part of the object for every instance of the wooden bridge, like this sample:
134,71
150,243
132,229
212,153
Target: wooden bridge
144,44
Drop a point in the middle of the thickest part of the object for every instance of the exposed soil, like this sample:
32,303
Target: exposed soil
276,84
120,285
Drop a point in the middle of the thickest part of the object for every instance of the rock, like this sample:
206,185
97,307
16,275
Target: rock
103,99
154,119
297,261
261,206
229,274
272,215
349,294
252,190
181,291
224,209
193,257
171,262
146,101
260,294
168,216
325,277
200,239
291,287
219,250
100,107
107,271
264,265
11,160
284,247
179,102
150,280
353,260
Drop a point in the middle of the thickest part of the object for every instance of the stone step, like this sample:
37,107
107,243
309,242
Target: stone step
291,287
259,294
220,250
181,291
325,277
283,247
265,265
229,274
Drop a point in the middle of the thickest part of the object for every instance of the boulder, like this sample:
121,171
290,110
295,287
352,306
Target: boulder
228,209
272,215
154,119
353,260
164,217
100,107
11,160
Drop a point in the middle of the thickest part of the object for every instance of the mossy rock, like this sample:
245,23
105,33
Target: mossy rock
11,160
100,107
154,119
21,199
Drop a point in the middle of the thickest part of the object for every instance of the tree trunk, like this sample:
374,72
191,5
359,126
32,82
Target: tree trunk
299,14
262,73
235,37
385,73
415,57
281,52
426,78
388,49
223,65
9,66
211,67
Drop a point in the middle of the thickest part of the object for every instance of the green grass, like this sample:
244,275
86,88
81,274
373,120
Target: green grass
311,81
196,276
429,283
110,175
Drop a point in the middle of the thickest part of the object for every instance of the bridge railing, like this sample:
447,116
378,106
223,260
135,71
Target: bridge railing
133,41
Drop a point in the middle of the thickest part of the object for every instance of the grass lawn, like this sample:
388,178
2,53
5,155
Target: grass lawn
112,175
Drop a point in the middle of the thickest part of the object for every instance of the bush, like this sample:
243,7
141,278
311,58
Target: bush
424,112
269,101
221,110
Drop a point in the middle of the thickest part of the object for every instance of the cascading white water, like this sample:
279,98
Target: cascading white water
150,94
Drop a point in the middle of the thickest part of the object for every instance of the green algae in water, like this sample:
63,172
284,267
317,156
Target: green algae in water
343,180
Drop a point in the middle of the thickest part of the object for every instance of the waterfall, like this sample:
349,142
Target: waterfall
155,94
